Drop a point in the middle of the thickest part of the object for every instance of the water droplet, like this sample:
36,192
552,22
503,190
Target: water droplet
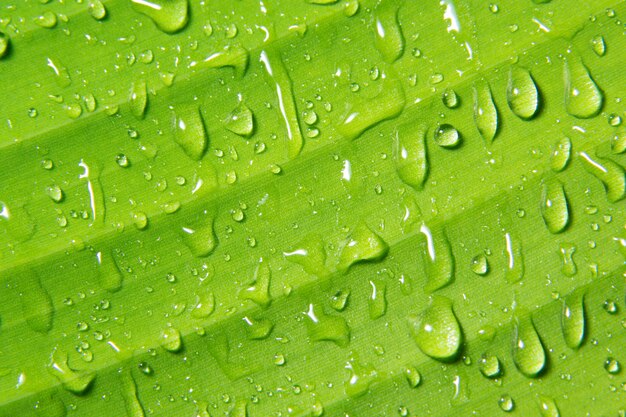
447,136
567,254
436,331
109,275
515,259
323,327
389,39
258,329
61,74
413,376
74,381
200,237
612,366
561,154
506,403
554,207
522,94
55,193
573,319
598,45
233,56
618,141
610,307
205,305
171,339
485,112
450,98
583,98
189,131
528,353
351,7
360,377
609,173
240,121
310,254
480,265
46,20
138,98
129,393
490,366
97,10
5,43
170,16
339,300
36,303
259,291
438,258
140,220
547,407
377,301
362,245
145,368
410,154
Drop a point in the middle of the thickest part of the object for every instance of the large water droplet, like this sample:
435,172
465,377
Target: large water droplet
480,265
522,94
450,98
259,291
240,121
583,98
97,10
138,98
76,382
567,255
36,303
610,173
189,131
389,39
547,406
485,112
310,254
506,403
377,301
109,275
573,319
554,207
438,258
362,245
47,19
170,16
436,331
200,237
410,154
561,154
447,136
171,339
323,327
514,258
528,354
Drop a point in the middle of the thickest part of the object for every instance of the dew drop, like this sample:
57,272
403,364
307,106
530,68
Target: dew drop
583,98
138,98
171,339
598,45
389,39
310,254
189,131
506,403
514,271
447,136
413,376
360,377
240,121
74,381
5,43
522,94
490,366
55,193
609,173
259,291
205,305
129,393
233,56
567,256
573,319
97,10
561,154
480,265
450,98
612,366
200,237
109,274
438,258
339,300
258,329
170,16
377,301
410,155
618,141
547,406
554,207
485,112
323,327
46,20
436,331
528,353
362,245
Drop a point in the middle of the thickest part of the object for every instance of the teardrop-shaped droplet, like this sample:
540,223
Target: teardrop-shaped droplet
598,45
490,366
109,274
377,301
189,131
411,157
138,98
240,121
362,245
76,382
528,353
450,98
97,10
522,94
554,207
485,111
568,268
36,303
310,254
171,339
547,406
609,173
438,258
561,154
413,376
5,43
514,271
323,327
506,403
259,291
389,39
447,136
436,331
339,300
573,319
618,141
583,98
170,16
258,329
134,408
480,265
55,193
200,237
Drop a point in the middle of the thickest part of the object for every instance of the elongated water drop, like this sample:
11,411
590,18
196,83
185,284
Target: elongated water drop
598,45
521,94
447,136
514,258
438,258
528,353
189,131
199,237
485,111
130,395
411,157
377,301
323,327
36,303
310,254
170,16
567,256
554,207
138,98
74,381
389,39
362,245
583,98
573,319
450,98
413,376
609,173
259,291
547,406
258,329
240,121
109,274
561,154
5,43
436,331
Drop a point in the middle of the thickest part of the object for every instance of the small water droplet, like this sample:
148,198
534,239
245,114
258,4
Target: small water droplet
109,274
360,377
612,366
413,376
240,121
205,305
514,271
199,237
436,331
567,254
97,10
377,301
5,43
598,45
258,329
75,381
561,154
480,265
618,141
506,403
55,193
410,154
547,406
46,20
438,258
583,98
170,16
522,94
490,366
